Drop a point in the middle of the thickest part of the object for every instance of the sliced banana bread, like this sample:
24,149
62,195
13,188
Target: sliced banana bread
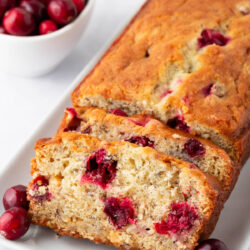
120,194
146,131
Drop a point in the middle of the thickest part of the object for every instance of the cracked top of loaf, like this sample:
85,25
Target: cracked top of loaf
182,61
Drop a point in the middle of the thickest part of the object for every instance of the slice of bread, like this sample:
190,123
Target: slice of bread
120,194
146,131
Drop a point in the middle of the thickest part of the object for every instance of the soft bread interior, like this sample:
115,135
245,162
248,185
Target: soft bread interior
149,180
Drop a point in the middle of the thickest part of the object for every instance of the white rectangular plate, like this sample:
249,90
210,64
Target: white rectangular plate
233,227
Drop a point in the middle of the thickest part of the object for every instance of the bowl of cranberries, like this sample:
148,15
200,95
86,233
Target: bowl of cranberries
36,35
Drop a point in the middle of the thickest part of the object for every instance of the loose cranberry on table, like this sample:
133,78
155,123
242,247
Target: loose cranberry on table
14,223
62,11
16,197
47,27
211,244
5,5
35,7
19,22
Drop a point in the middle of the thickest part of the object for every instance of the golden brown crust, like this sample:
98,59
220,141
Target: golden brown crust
166,32
44,141
243,147
78,88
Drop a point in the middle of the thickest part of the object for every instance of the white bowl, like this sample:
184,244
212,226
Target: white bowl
37,55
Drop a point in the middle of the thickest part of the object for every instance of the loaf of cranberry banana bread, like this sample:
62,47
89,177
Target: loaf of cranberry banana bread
120,194
187,64
146,131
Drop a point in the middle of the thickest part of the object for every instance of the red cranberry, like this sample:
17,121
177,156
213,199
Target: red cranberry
80,4
35,7
19,22
194,148
179,123
99,170
192,166
86,130
47,27
14,223
210,36
211,244
120,212
62,11
142,141
5,5
181,218
141,121
71,111
166,93
207,90
37,183
118,112
16,197
74,123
